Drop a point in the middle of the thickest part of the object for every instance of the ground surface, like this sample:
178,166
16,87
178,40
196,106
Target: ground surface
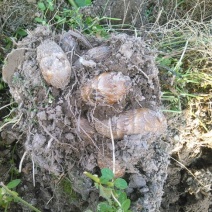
166,172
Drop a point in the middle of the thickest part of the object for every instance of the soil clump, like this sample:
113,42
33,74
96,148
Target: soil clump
57,126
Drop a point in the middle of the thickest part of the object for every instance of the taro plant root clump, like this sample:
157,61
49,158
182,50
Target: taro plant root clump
60,128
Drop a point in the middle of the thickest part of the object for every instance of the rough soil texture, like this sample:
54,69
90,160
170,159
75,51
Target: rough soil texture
188,185
49,120
53,134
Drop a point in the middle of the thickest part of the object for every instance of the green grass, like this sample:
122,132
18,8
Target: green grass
66,186
71,18
184,62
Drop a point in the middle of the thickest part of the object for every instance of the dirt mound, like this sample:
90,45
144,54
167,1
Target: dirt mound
66,99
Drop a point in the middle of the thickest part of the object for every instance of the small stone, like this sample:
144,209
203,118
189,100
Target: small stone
137,181
69,136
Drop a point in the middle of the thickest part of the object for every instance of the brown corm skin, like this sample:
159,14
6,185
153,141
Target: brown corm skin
139,121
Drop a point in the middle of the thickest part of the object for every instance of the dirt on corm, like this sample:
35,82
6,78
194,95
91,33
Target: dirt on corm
60,128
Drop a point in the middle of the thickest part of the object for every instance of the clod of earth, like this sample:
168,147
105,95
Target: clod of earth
62,133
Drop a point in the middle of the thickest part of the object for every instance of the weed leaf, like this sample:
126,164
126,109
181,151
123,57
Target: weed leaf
13,183
107,173
83,3
96,185
50,5
41,6
104,207
21,32
120,183
122,197
105,192
104,180
40,20
126,205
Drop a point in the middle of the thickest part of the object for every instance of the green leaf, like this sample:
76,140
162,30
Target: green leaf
105,192
122,197
88,2
83,3
120,183
40,20
21,32
57,17
1,86
126,204
13,183
104,207
50,5
165,61
107,173
96,185
41,6
103,180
